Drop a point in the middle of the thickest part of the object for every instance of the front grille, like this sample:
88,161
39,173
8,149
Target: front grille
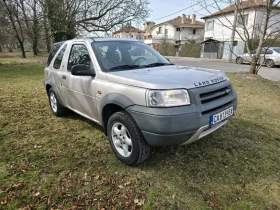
214,95
216,108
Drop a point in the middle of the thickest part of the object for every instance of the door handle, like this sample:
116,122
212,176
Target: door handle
64,76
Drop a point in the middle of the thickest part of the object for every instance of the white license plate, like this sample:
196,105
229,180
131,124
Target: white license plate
216,118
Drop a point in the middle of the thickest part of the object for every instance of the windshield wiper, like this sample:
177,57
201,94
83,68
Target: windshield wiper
124,67
158,64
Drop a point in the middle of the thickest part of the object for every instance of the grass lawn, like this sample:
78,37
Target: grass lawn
14,58
66,163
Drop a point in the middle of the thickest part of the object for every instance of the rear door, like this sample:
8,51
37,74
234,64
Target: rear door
83,88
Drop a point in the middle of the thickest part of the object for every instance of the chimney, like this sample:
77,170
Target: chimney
183,18
189,17
193,19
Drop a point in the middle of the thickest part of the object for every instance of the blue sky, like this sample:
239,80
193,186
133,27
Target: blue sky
161,8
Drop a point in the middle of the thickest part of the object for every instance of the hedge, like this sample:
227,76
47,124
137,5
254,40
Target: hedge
168,50
190,50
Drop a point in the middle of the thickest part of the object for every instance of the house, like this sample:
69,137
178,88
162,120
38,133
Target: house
218,26
180,30
128,31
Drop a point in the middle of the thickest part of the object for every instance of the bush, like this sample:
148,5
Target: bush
168,50
190,50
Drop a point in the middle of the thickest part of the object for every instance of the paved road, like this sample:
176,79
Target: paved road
268,73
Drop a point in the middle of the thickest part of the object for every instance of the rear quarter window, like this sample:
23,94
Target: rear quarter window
59,57
53,51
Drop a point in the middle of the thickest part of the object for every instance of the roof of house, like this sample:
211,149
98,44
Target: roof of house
129,28
187,22
242,5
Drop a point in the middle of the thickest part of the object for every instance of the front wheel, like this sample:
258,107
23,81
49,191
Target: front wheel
126,140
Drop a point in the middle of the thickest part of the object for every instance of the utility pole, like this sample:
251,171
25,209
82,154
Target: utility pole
236,4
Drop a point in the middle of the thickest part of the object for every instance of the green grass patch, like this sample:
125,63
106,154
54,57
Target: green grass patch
58,163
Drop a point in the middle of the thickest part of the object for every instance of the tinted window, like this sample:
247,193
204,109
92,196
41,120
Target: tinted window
53,51
78,55
277,50
59,57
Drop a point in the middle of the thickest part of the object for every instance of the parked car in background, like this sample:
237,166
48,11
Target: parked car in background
269,57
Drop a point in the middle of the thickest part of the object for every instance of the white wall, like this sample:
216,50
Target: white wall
173,35
223,25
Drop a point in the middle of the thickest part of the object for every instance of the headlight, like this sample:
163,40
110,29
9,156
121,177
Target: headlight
165,98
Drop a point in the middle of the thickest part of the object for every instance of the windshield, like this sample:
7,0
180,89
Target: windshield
276,49
125,55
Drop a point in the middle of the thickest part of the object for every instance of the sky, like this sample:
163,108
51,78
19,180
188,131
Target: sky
161,8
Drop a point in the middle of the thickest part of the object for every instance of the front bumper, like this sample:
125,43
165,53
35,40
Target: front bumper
181,125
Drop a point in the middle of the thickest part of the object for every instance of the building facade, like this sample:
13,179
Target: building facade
131,32
180,30
249,23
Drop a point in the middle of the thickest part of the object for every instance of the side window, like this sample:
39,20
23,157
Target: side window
78,55
59,57
53,51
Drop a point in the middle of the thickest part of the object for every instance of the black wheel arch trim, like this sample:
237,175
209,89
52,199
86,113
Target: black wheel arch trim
116,99
53,86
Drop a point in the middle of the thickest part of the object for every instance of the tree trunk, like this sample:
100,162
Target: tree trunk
1,50
35,46
22,49
253,66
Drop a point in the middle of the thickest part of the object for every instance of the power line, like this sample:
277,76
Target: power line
180,10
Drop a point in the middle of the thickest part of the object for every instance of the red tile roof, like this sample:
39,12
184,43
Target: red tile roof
187,22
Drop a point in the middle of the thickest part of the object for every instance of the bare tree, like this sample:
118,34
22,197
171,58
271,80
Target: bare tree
265,26
66,18
13,12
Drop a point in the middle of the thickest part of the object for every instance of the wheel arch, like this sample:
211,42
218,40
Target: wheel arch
48,85
111,104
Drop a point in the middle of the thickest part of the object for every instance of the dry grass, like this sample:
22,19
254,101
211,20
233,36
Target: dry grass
14,58
48,162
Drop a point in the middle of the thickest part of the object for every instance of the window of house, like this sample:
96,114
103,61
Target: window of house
242,20
194,31
210,25
59,57
78,55
160,30
178,29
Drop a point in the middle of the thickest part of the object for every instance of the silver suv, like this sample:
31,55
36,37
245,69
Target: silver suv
140,99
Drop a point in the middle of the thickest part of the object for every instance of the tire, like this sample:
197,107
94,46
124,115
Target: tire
57,109
269,63
239,60
123,132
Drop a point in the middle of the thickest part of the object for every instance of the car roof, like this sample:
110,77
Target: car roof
97,39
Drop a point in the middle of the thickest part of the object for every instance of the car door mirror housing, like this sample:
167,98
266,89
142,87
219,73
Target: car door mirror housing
82,70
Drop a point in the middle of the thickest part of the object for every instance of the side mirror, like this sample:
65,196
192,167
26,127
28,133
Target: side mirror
82,70
253,52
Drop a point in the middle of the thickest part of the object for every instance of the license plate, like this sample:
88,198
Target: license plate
216,118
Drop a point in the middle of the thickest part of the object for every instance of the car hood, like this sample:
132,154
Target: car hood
167,77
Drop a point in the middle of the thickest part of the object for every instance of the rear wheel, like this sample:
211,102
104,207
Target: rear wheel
57,109
126,140
269,63
239,60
